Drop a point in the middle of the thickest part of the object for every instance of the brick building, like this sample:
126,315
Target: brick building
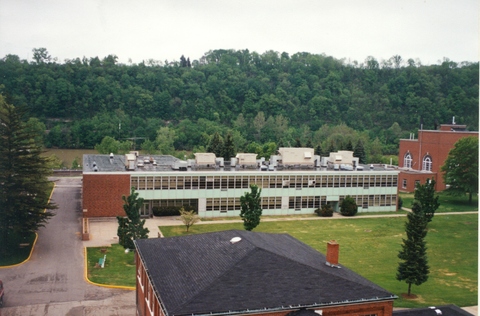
297,185
421,159
248,273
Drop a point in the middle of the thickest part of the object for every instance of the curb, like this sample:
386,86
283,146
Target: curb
85,275
28,258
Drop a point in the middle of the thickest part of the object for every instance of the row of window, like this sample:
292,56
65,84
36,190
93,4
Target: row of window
426,162
263,181
275,202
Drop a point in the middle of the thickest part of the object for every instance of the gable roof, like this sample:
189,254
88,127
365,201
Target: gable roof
206,273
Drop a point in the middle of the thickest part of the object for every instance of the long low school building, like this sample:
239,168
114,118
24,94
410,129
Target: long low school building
216,192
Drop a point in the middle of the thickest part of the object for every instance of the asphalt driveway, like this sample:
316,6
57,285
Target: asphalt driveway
54,276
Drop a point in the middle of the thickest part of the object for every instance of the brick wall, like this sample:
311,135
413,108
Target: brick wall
378,308
102,194
437,144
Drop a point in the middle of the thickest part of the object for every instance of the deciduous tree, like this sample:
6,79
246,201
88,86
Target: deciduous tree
251,208
189,218
461,168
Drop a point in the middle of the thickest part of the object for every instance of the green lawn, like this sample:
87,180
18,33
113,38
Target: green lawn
20,254
369,246
119,267
448,203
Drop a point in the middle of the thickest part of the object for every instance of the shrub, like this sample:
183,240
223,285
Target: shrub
399,203
348,206
325,211
171,210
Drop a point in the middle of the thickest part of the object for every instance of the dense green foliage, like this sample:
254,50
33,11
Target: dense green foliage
24,186
348,207
414,269
325,211
261,98
131,227
425,195
461,168
251,207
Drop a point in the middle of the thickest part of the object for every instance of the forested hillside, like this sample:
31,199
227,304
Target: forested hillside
303,99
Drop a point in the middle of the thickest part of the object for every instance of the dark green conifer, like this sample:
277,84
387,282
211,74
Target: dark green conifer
131,227
414,267
24,186
359,152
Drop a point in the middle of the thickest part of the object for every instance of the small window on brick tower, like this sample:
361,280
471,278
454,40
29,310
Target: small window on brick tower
427,163
407,160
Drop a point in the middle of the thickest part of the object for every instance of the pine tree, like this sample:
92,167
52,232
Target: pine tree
216,145
298,144
309,144
131,227
414,268
319,150
251,208
349,145
228,148
331,147
24,187
425,194
359,152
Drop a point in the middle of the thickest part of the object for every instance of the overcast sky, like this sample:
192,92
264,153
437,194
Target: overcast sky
428,30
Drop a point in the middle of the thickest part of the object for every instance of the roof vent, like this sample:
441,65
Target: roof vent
111,155
234,240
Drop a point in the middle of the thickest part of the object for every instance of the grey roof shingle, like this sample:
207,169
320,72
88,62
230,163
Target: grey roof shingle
199,274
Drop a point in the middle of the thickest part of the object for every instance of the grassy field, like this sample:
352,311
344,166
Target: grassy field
119,267
369,246
448,203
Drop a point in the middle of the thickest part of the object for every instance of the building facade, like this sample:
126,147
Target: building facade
422,158
216,192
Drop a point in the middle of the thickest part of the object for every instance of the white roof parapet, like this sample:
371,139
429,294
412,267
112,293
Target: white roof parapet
297,156
203,159
246,159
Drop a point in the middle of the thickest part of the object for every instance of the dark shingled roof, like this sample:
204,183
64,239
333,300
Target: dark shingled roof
447,310
204,273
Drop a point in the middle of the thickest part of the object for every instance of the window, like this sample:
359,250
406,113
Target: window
407,160
427,163
404,183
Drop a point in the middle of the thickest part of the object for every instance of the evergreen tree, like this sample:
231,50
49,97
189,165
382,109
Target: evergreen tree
216,145
349,145
24,187
359,152
331,148
309,144
131,227
298,144
425,194
414,267
251,207
228,148
319,150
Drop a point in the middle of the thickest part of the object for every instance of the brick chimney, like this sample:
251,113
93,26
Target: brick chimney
332,253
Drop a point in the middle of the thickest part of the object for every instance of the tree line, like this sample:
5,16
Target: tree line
258,99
